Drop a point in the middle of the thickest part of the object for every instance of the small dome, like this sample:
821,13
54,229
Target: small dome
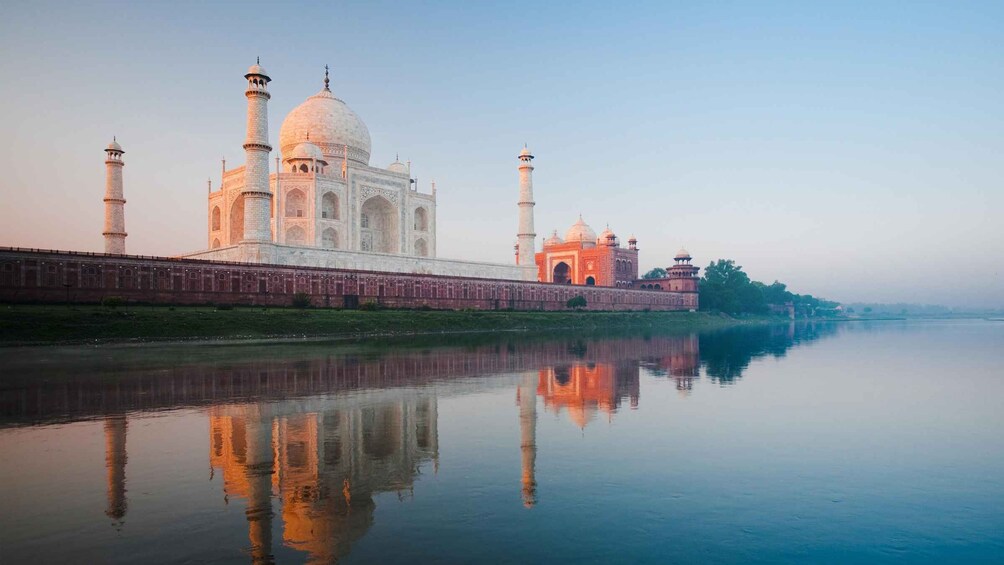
607,237
632,239
398,167
580,232
555,239
682,254
256,69
525,152
306,151
114,146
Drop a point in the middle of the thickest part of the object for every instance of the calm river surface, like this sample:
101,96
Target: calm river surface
827,443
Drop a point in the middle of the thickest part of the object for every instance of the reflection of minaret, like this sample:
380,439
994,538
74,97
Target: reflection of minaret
115,462
527,398
259,476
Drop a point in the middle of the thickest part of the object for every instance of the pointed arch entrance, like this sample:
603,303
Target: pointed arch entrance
237,220
561,274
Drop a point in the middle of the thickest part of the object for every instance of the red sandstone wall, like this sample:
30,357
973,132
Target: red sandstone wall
31,275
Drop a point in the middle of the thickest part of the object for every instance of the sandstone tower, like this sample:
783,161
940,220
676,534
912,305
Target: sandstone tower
256,194
526,237
114,233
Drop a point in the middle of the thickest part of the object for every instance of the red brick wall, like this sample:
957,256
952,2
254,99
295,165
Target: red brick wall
34,275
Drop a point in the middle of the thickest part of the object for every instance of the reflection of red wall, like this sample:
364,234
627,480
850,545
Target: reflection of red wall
58,276
584,389
87,389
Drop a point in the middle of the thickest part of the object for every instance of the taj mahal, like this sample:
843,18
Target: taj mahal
317,218
324,205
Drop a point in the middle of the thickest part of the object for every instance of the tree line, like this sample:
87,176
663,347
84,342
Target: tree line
726,288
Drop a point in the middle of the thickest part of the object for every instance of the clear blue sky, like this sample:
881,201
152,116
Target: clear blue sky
852,150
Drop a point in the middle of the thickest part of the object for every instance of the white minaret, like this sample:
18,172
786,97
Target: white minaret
526,236
114,233
257,196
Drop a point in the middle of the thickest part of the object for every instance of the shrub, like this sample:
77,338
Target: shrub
112,301
224,306
370,305
301,300
577,302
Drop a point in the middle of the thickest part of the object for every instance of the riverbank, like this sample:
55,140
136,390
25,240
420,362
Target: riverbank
48,324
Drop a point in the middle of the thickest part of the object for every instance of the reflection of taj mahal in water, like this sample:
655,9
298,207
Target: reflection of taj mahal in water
325,466
313,466
307,470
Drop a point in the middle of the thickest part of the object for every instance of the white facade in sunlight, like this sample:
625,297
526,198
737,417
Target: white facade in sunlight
323,204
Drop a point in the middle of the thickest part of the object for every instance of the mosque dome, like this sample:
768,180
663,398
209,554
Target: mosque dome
114,146
682,254
555,239
398,167
332,127
307,151
607,236
580,232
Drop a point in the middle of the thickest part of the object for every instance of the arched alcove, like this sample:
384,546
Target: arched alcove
216,218
421,248
378,226
296,236
296,204
329,239
421,219
237,220
329,206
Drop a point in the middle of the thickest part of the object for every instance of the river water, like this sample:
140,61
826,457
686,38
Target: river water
878,442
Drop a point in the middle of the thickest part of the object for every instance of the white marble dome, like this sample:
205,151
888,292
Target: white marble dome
682,254
306,151
580,232
604,236
114,146
332,127
555,239
398,167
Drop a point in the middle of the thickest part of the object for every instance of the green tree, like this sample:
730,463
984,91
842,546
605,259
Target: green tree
656,273
577,302
726,288
777,293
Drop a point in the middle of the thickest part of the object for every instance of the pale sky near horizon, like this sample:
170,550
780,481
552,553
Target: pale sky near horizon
852,150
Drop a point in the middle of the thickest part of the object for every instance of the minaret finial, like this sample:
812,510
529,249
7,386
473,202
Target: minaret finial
257,60
326,81
397,156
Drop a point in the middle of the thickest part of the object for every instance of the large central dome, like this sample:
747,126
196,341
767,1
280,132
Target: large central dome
328,123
